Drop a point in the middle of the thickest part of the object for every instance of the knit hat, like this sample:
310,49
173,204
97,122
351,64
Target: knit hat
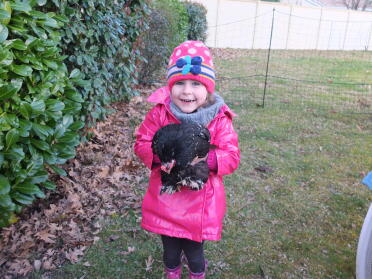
191,60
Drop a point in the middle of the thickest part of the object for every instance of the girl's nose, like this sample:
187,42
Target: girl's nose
188,88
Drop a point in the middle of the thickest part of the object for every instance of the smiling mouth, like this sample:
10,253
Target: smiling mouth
187,101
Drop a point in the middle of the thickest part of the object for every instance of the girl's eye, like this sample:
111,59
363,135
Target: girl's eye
195,83
179,83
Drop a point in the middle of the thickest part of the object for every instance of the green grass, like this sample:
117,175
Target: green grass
340,81
299,218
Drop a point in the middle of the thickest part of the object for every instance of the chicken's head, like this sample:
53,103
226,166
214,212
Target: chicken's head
167,167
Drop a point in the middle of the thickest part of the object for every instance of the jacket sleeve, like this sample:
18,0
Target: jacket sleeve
144,135
227,151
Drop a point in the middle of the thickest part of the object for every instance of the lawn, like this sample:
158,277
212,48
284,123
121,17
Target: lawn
295,205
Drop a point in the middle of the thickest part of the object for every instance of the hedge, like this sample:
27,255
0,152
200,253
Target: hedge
39,104
197,24
168,25
99,39
61,62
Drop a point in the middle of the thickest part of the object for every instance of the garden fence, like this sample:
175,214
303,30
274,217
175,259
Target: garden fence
278,73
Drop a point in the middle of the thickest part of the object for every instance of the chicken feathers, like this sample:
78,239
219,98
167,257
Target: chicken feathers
178,147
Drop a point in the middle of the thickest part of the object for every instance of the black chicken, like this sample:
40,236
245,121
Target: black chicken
179,146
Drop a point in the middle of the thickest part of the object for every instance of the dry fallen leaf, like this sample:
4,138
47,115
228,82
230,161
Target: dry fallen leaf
149,263
46,236
104,169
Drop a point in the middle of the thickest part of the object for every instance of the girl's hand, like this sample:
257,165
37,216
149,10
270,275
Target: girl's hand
197,160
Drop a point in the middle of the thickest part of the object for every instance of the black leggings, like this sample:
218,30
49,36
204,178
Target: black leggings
193,250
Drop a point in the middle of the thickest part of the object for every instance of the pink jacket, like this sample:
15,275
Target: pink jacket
195,215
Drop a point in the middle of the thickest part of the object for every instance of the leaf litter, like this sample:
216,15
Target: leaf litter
103,179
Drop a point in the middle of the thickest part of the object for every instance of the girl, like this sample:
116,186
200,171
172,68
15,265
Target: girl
186,218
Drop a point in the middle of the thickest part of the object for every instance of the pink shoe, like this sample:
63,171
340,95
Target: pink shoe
174,273
201,275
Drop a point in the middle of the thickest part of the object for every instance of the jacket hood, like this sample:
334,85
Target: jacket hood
162,96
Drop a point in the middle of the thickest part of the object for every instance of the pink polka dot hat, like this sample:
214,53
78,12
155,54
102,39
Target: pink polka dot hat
191,60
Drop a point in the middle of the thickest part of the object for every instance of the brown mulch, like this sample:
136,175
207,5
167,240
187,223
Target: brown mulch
103,179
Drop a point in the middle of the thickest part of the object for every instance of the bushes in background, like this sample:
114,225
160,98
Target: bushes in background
39,107
197,25
171,22
155,44
61,63
168,23
99,39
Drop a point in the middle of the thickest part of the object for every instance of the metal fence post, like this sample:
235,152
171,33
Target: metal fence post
346,29
254,26
217,16
289,27
320,23
369,38
268,58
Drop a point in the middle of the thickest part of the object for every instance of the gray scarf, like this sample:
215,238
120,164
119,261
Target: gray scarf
203,115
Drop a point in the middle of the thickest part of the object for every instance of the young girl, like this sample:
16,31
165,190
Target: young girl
186,218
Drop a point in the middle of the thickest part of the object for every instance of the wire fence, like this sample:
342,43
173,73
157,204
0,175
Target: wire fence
335,80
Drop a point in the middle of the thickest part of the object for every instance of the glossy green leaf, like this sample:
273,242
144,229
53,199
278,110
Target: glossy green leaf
4,125
4,32
74,96
6,202
54,105
22,198
26,188
12,120
38,106
77,125
67,120
51,64
1,158
38,14
4,54
70,138
26,110
50,157
4,185
22,70
11,138
71,107
75,73
4,15
42,145
7,91
35,165
42,131
15,153
59,131
39,177
58,170
18,44
21,6
51,22
49,185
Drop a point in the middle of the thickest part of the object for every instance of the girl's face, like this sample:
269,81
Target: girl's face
188,95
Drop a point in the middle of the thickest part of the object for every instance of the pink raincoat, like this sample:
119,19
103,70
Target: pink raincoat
195,215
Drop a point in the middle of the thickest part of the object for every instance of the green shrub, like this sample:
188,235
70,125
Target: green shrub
197,26
176,14
99,40
155,47
168,23
39,107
